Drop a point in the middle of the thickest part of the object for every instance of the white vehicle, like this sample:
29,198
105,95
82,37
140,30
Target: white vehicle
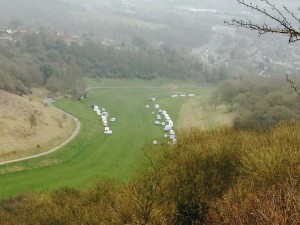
108,132
172,136
166,136
156,106
147,106
155,142
166,128
113,119
174,96
172,132
182,95
192,95
156,122
106,128
163,123
105,123
160,110
169,126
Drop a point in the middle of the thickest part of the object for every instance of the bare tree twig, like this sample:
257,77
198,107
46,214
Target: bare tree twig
284,19
292,84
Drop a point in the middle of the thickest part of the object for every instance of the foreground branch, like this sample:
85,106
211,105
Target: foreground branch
280,17
292,85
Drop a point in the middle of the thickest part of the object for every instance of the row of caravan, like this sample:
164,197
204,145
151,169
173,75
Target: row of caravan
104,118
164,119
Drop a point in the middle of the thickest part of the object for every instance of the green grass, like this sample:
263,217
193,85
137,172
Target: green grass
92,154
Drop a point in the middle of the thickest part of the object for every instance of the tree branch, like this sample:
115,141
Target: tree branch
292,84
280,17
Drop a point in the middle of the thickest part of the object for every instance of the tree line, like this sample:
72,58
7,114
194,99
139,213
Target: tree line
257,102
45,59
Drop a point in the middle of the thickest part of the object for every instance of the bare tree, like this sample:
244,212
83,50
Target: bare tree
284,19
283,22
293,85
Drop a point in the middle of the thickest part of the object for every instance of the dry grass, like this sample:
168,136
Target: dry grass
197,113
17,138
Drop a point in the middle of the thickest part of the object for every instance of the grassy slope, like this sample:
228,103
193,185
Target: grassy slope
198,112
92,154
158,82
17,137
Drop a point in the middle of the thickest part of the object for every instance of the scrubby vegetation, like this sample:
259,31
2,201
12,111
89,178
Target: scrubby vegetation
258,103
211,177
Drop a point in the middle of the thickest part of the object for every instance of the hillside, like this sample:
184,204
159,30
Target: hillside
18,138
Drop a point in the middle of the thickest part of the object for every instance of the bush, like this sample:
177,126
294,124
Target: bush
210,177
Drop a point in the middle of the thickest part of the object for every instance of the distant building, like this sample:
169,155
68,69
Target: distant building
224,30
9,32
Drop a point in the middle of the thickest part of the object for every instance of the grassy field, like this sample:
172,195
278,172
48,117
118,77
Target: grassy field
198,113
158,82
92,154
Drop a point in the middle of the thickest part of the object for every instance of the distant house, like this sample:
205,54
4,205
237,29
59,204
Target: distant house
9,32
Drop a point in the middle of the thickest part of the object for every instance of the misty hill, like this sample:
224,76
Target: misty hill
148,4
84,16
35,12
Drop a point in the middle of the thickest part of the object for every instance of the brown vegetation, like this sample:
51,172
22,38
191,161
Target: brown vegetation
29,127
211,177
197,113
258,103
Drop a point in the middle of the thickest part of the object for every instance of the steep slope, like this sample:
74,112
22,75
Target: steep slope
18,138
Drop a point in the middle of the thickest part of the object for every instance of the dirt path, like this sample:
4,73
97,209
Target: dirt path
74,134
